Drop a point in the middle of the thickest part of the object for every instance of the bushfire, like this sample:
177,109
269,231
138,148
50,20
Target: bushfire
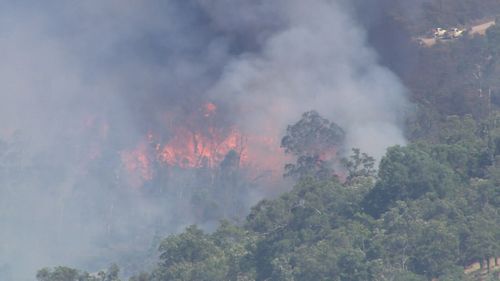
198,142
191,149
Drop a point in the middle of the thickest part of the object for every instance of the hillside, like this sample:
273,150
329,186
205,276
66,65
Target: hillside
193,140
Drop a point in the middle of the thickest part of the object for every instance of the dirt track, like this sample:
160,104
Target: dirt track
479,29
475,268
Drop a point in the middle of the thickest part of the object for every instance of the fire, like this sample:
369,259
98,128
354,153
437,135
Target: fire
210,109
198,142
195,149
138,165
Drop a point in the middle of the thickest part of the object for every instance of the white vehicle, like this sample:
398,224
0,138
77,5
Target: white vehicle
457,33
440,33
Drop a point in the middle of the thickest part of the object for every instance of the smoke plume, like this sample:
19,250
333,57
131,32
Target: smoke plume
318,60
82,82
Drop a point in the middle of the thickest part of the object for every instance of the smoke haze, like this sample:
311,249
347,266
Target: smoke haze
319,61
83,81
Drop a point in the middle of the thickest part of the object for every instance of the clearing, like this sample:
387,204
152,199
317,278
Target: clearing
479,29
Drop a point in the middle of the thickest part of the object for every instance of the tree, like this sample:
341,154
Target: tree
58,274
407,173
353,266
312,135
359,166
435,250
191,256
481,239
309,166
315,142
62,273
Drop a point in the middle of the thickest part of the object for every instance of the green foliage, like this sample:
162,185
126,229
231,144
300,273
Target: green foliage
433,207
427,213
58,274
62,273
194,255
426,216
436,251
360,167
315,142
312,135
192,246
408,173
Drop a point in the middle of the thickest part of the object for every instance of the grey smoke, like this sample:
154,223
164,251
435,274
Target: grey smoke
84,77
318,61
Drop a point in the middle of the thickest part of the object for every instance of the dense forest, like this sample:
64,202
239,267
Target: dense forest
428,210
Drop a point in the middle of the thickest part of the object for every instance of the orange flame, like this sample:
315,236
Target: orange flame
138,165
193,146
210,109
190,149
